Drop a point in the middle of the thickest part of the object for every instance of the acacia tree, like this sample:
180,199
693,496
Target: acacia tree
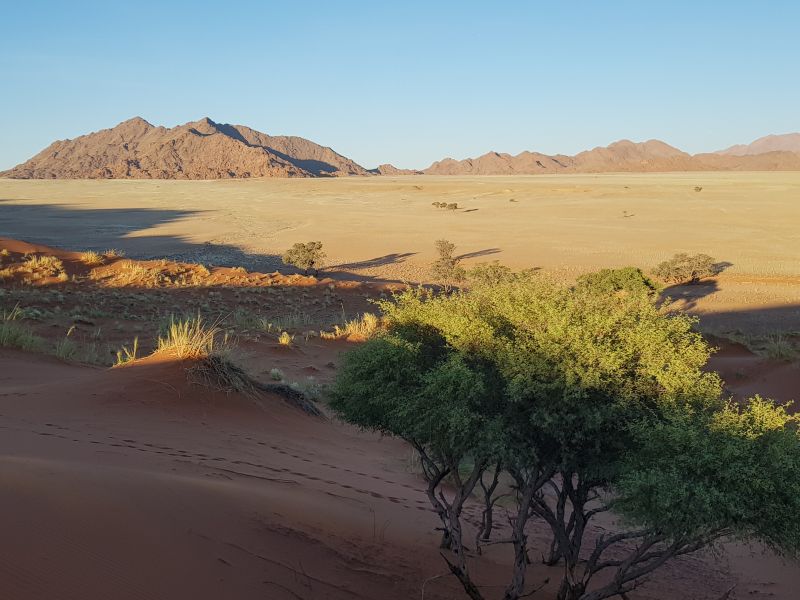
447,268
307,256
686,268
589,397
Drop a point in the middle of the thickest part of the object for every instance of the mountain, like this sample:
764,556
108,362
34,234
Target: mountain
202,149
652,156
787,142
387,169
624,155
496,163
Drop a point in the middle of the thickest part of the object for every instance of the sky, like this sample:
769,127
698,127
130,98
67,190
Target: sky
405,82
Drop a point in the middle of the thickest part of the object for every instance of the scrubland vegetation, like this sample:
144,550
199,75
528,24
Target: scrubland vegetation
573,401
306,256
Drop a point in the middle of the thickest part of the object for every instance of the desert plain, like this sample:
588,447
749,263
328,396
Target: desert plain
135,482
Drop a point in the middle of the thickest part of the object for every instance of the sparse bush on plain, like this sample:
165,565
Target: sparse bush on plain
276,374
447,269
686,268
627,279
489,273
306,256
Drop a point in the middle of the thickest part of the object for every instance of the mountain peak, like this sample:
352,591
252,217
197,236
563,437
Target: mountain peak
784,142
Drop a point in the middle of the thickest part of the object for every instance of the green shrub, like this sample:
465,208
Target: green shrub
307,256
587,402
686,268
626,279
447,269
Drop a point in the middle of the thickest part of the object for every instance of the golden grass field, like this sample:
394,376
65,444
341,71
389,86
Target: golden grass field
384,227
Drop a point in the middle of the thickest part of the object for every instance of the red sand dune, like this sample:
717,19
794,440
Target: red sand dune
132,483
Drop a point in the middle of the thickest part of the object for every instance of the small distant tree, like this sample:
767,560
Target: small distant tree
452,206
447,268
490,273
686,268
307,256
630,280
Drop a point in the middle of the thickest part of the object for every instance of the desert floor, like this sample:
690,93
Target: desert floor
135,482
383,228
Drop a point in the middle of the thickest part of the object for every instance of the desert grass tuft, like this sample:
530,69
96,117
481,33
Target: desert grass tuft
13,334
218,372
127,355
92,258
47,266
363,327
779,347
188,338
65,348
284,339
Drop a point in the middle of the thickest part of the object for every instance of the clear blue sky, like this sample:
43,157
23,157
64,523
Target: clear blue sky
405,82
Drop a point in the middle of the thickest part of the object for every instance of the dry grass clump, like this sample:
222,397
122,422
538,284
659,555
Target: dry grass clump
4,254
188,338
92,258
6,273
65,348
127,355
285,339
42,265
217,372
113,253
15,335
363,327
134,272
779,347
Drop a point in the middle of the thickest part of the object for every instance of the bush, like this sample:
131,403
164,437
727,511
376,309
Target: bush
490,273
307,256
587,402
686,268
447,268
628,279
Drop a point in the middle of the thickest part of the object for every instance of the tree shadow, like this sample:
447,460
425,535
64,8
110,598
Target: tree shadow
686,296
478,253
380,261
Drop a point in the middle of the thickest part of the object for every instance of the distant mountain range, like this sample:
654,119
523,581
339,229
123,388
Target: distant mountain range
203,149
